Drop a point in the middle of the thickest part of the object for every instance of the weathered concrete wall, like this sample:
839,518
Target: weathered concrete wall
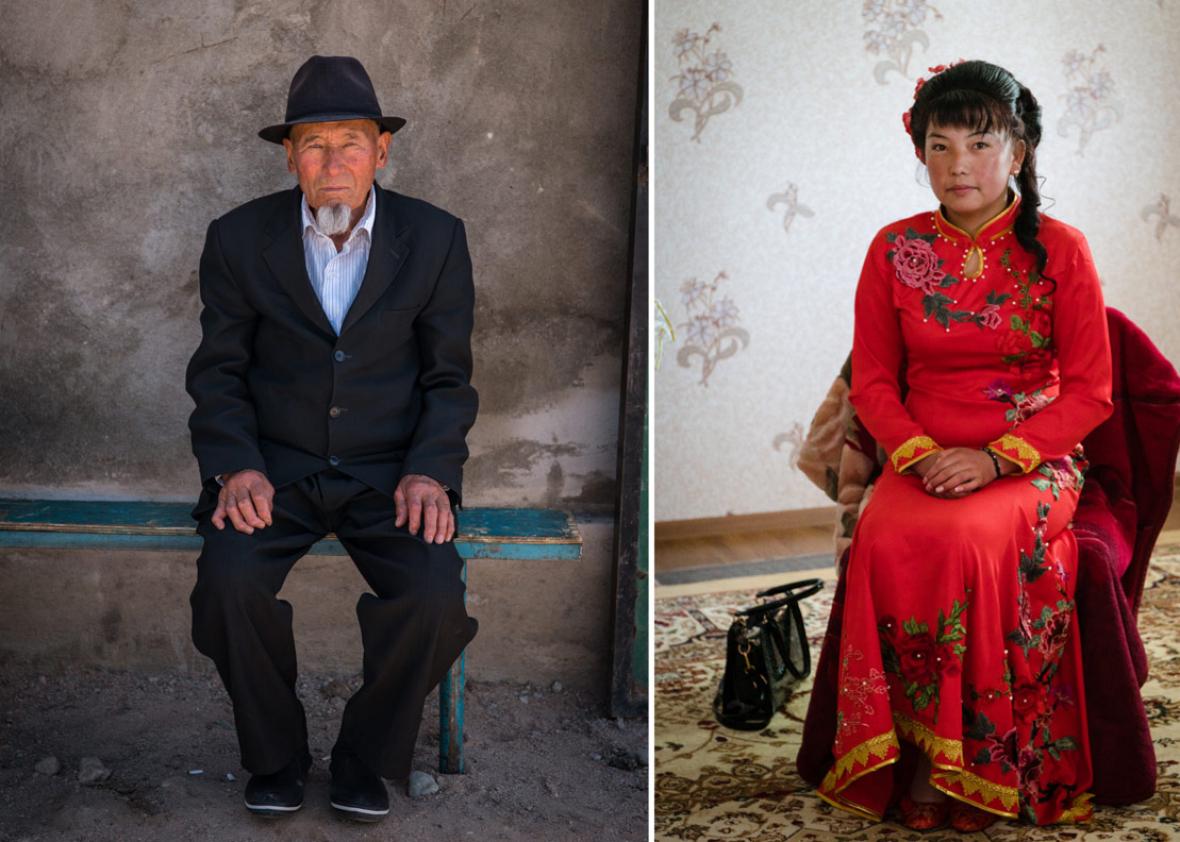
538,620
127,126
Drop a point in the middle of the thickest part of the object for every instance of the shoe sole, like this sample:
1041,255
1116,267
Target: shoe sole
274,811
271,811
360,814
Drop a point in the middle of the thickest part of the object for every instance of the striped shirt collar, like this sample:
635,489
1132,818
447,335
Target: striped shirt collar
364,224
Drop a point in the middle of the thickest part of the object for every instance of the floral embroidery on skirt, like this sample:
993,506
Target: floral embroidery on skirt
959,638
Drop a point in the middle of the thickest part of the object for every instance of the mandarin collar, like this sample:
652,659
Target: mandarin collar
993,229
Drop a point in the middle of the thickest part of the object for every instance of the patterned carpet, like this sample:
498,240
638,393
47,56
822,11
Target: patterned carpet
716,784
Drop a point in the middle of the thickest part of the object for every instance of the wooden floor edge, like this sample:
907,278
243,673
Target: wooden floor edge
707,527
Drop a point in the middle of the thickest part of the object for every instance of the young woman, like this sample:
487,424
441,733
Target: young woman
980,360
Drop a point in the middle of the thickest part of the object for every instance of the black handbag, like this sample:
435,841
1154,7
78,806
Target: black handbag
766,653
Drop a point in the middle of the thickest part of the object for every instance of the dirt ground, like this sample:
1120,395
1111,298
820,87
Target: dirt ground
542,764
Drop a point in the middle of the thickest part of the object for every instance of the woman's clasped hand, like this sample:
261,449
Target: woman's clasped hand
956,471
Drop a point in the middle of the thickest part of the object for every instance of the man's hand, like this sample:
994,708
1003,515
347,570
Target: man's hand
424,503
246,498
956,472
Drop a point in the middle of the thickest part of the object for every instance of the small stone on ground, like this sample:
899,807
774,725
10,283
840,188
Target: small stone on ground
91,771
622,759
422,784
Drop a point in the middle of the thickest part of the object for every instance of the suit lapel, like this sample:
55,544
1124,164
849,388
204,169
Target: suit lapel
284,255
387,253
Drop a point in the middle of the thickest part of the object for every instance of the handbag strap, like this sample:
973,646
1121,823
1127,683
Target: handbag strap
805,670
811,586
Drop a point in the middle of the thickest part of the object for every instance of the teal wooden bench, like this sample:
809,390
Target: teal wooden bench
505,533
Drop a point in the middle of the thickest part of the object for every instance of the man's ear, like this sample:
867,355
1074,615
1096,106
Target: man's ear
290,149
383,140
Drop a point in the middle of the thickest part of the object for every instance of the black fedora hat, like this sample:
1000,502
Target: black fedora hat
327,89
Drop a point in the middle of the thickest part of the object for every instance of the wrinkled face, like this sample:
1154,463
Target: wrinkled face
336,162
969,172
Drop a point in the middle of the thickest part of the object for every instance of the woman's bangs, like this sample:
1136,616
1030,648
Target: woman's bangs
966,109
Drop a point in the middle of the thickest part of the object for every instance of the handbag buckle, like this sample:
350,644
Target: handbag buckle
744,650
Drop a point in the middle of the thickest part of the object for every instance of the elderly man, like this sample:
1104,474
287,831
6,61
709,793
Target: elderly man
332,391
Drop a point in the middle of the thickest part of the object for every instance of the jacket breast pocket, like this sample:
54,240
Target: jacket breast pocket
399,307
397,315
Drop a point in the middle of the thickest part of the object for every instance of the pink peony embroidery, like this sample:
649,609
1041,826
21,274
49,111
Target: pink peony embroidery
1031,405
989,316
1059,472
917,264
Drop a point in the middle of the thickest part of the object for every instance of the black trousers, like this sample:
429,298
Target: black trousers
413,625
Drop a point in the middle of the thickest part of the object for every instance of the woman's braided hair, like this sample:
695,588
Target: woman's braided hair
985,97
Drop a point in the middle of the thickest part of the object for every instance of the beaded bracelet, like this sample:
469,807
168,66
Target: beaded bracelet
995,460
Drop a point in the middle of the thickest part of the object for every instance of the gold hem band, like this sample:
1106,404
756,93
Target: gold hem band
951,794
852,807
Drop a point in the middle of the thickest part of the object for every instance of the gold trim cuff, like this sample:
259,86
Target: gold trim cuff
1015,449
912,451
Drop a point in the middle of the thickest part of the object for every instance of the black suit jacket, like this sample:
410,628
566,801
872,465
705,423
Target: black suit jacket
278,391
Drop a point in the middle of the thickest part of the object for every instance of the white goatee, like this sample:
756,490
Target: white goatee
333,219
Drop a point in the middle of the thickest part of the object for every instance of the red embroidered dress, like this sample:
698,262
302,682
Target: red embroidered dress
958,631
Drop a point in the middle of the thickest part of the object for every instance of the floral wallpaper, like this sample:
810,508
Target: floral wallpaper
1161,210
789,198
781,153
791,442
711,330
1090,103
894,29
704,85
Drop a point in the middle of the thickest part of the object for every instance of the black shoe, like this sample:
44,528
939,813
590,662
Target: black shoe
281,792
356,792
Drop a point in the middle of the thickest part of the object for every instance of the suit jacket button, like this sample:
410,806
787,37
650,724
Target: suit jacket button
334,412
333,461
338,356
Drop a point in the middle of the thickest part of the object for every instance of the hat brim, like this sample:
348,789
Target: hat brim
277,133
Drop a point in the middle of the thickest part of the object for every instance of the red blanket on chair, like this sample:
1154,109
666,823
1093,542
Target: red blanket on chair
1123,506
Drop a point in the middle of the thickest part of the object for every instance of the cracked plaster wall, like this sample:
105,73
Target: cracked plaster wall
128,126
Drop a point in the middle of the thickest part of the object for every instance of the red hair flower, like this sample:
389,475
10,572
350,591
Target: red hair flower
938,68
934,71
906,117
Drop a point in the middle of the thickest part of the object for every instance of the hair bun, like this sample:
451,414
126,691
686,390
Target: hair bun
976,75
1029,111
